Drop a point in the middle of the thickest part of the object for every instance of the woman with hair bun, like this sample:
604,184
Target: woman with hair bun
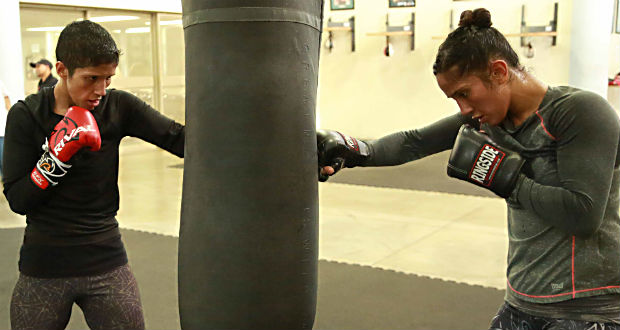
551,152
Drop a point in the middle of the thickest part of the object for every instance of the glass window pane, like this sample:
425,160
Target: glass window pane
132,33
172,48
40,29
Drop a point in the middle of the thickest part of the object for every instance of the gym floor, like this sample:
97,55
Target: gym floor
399,247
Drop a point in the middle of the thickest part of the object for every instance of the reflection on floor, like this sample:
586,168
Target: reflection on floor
441,235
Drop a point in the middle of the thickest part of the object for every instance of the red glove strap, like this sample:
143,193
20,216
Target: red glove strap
39,179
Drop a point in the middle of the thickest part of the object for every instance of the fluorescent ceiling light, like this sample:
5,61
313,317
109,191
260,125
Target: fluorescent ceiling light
46,29
101,19
173,22
138,30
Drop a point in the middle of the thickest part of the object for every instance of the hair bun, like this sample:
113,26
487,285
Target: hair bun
480,18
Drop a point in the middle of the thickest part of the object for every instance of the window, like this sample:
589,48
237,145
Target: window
132,33
172,49
134,36
40,30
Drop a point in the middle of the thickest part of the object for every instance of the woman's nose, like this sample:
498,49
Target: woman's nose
466,109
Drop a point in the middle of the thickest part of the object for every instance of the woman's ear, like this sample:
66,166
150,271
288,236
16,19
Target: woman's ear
62,70
499,71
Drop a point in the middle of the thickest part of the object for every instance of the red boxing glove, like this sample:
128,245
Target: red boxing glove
78,129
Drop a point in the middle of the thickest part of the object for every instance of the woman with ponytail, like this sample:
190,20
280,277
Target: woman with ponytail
552,152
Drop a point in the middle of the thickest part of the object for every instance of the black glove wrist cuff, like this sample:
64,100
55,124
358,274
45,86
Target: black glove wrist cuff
514,195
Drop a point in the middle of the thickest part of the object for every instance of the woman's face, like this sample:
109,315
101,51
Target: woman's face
487,102
87,85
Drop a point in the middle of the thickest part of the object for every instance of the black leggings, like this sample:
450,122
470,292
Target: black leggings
109,301
510,318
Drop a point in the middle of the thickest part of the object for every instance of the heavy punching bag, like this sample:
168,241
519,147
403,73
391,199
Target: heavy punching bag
248,238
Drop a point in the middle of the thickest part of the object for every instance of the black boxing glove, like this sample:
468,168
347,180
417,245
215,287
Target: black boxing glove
338,150
478,159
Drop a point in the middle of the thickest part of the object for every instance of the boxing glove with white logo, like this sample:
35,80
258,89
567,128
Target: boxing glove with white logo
478,159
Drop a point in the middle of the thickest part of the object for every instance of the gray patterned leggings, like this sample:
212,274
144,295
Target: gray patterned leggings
109,301
510,318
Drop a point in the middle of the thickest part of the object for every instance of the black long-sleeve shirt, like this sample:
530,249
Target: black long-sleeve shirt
71,228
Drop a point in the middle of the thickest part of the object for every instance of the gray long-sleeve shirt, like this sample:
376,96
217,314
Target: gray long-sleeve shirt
563,222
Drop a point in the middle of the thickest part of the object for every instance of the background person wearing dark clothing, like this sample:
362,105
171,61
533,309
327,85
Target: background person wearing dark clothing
72,250
552,152
43,70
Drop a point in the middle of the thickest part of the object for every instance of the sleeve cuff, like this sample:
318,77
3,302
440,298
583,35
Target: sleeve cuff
514,196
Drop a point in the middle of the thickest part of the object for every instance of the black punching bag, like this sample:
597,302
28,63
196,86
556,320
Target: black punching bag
248,239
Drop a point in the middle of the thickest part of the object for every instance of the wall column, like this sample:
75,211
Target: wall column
589,44
11,59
